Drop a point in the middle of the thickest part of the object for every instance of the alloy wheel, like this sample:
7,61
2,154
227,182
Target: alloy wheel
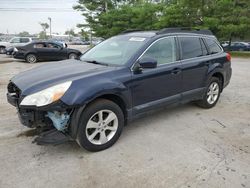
101,127
31,58
213,93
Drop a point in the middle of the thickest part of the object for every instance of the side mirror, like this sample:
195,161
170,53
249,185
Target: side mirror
145,63
148,63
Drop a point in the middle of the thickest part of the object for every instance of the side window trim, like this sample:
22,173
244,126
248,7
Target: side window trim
204,43
176,54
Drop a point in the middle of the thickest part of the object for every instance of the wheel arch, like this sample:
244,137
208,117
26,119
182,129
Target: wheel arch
220,76
117,100
74,124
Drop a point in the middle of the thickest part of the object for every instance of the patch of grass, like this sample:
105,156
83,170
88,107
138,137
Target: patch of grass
240,54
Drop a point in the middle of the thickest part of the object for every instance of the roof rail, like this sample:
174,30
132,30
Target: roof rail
130,31
184,30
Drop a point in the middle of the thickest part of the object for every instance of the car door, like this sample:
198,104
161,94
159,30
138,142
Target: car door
41,50
195,64
158,86
56,51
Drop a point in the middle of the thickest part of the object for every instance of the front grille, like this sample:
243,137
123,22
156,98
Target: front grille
13,89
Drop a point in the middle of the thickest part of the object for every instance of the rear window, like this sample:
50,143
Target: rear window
52,45
213,47
191,47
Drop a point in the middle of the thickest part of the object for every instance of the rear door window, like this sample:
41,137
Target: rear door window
39,45
53,46
213,47
190,47
24,40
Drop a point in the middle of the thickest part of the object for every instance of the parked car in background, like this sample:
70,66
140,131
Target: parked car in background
97,40
9,50
63,43
14,42
37,51
121,79
224,43
238,46
79,42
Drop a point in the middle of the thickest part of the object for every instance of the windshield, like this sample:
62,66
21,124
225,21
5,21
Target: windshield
116,50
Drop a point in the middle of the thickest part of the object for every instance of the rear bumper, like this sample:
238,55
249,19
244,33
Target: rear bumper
227,77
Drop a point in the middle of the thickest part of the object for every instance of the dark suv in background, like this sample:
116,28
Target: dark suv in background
90,100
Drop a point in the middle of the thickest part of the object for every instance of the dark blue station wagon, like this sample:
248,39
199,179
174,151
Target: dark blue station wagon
91,99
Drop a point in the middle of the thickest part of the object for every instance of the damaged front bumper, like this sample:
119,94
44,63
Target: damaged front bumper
56,114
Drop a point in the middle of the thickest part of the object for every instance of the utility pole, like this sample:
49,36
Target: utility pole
50,27
106,6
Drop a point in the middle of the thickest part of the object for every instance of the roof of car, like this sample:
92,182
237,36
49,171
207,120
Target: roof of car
168,31
42,41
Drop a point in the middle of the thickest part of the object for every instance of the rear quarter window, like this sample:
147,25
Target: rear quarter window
190,47
213,46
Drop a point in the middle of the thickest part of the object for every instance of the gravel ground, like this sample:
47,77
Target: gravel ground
184,146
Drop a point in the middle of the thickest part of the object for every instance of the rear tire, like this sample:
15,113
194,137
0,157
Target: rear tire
212,93
100,125
31,58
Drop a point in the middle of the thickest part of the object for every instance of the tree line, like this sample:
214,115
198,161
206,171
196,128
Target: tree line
227,19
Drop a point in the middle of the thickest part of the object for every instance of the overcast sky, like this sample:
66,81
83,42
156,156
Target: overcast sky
25,15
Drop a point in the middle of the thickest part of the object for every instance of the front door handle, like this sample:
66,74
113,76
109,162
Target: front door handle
176,71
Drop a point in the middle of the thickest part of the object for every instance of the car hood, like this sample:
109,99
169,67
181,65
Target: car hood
51,74
4,44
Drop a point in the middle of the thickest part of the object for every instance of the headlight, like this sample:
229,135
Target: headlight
46,96
15,50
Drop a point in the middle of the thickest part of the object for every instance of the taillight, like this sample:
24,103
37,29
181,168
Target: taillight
229,57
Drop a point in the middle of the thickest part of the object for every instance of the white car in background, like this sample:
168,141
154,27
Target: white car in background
16,41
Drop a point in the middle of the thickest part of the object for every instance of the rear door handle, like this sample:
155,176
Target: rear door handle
176,71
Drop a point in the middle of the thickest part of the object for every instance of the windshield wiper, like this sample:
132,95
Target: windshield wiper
96,62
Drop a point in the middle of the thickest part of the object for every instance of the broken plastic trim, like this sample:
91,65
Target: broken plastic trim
53,137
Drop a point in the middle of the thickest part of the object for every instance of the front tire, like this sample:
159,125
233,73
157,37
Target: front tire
31,58
2,50
73,56
212,93
100,125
